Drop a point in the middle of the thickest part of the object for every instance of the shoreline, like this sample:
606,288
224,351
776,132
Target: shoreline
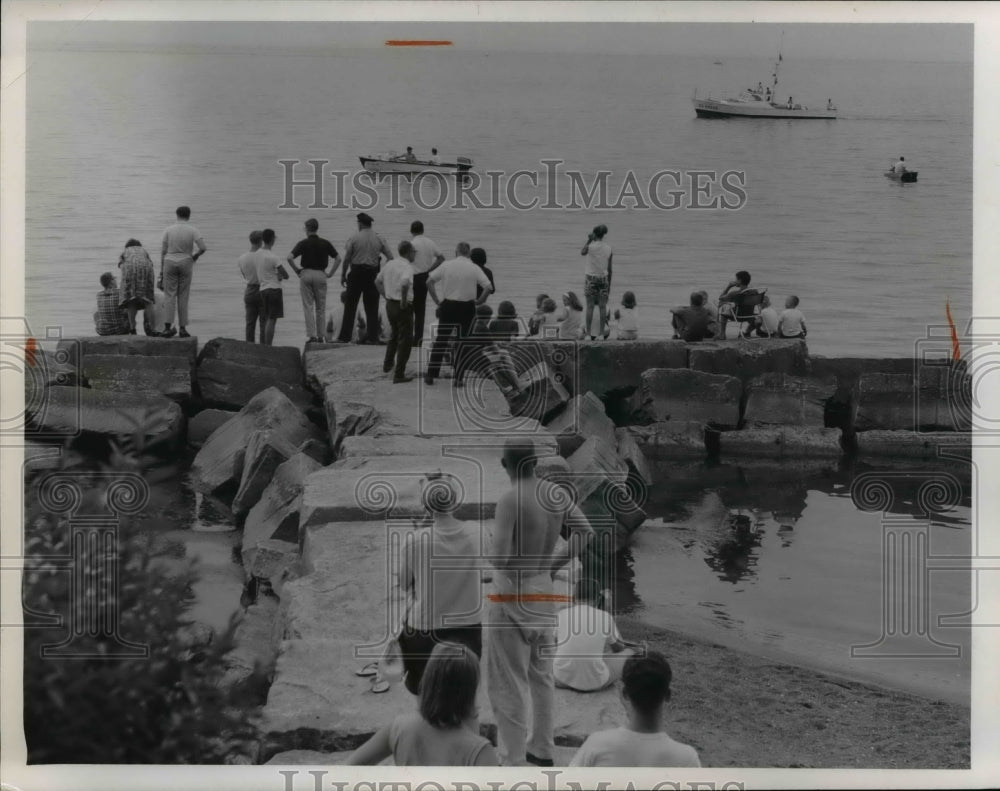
740,709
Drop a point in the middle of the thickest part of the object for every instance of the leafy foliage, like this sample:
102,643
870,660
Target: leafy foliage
103,700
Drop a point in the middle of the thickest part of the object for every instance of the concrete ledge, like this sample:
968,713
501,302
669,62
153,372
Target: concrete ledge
781,441
128,344
131,373
912,445
686,395
749,358
784,399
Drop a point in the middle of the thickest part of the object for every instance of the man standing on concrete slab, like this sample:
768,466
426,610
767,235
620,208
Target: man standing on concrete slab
270,273
177,260
456,280
316,253
362,260
395,283
521,620
247,264
428,258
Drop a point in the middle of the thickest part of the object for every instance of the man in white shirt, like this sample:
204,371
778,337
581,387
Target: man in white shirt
247,264
435,159
590,654
452,285
395,283
641,742
428,258
899,167
269,273
177,260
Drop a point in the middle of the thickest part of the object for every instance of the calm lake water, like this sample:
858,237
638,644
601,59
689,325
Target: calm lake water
117,140
812,586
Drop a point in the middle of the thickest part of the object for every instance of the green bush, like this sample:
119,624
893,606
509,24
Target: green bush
167,707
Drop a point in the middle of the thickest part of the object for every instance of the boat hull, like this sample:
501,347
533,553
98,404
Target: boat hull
711,108
909,177
377,165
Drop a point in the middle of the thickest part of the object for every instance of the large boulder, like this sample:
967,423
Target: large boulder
229,385
215,467
633,456
347,415
272,562
205,423
255,355
686,395
266,450
600,480
77,348
749,358
132,373
780,441
381,487
583,417
65,412
275,516
789,400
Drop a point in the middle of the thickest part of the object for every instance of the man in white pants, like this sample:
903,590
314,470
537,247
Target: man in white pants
521,619
177,260
315,252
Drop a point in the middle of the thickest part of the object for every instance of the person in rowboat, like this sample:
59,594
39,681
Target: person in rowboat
899,167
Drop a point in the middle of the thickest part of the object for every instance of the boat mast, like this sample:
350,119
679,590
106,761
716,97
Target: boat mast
777,66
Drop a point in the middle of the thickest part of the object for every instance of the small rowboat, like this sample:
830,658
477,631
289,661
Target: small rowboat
906,177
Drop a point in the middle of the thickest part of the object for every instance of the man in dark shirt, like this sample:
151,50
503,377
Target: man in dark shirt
478,256
691,321
316,253
362,260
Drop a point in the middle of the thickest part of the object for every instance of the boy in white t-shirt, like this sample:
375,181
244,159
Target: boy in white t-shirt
645,691
792,323
590,654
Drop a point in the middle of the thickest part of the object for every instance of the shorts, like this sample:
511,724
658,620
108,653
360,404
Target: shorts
272,303
596,288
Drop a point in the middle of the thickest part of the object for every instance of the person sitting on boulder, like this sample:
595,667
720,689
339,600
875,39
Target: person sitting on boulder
792,323
590,654
110,317
691,322
536,321
626,318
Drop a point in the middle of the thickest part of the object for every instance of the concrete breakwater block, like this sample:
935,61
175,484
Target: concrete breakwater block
357,489
788,400
583,417
749,358
265,451
540,394
276,514
69,411
615,367
669,439
629,451
205,423
328,365
848,370
256,355
933,401
272,561
599,477
914,445
132,373
215,468
781,441
78,348
686,395
488,448
348,412
231,385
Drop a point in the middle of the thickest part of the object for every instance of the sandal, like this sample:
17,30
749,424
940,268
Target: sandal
380,685
371,669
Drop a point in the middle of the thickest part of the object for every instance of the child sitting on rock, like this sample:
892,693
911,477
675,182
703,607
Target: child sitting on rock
627,318
505,327
792,323
536,320
548,322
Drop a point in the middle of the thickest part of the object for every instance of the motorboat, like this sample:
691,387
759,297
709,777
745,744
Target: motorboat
392,162
759,102
906,177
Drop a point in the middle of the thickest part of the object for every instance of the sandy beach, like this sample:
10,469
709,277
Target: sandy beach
738,709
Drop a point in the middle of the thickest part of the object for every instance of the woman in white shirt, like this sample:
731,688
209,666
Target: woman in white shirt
571,318
597,277
627,318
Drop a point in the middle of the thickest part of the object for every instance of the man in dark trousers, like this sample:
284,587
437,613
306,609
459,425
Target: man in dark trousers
453,286
428,258
362,260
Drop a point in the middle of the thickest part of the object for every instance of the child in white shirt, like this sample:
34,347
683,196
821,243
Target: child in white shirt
627,318
792,323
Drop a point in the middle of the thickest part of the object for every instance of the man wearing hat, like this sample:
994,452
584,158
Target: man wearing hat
362,260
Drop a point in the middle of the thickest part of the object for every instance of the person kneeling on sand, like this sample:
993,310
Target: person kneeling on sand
641,741
444,731
590,653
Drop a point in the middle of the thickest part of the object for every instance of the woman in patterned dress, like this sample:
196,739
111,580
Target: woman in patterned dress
136,282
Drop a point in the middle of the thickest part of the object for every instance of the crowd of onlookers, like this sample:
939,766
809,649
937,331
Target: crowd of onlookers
392,290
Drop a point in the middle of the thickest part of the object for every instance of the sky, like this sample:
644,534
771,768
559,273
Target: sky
891,41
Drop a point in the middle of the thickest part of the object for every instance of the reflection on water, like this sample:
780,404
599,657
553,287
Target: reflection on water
808,562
